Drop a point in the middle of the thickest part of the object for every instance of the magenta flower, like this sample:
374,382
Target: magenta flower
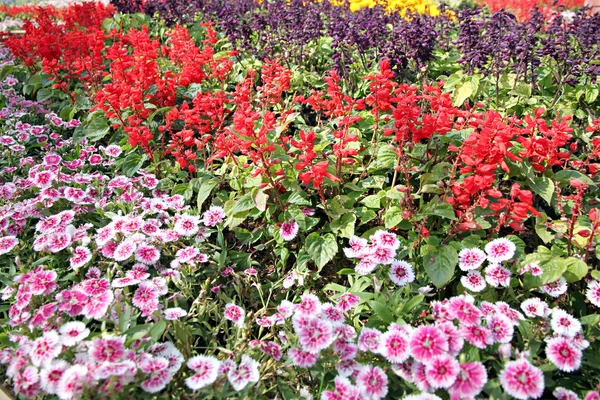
289,230
393,345
470,380
473,281
469,259
372,382
401,273
343,390
235,314
303,359
317,335
7,243
213,216
522,380
501,328
427,342
441,371
369,339
593,292
81,256
309,305
108,349
564,394
45,348
147,254
555,289
73,332
454,337
562,353
347,301
382,255
535,307
564,323
186,225
174,313
73,381
385,239
246,373
478,336
357,247
50,375
462,308
496,275
206,371
499,250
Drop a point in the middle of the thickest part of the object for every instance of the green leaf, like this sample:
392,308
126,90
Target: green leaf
381,311
462,93
591,94
344,226
440,264
565,175
157,330
244,203
93,131
543,187
392,217
132,163
321,249
576,269
372,201
596,275
386,157
439,208
412,303
204,191
553,268
523,89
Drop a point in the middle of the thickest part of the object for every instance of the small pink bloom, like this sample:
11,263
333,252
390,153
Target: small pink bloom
235,314
372,382
108,349
347,301
499,250
302,359
174,313
442,371
213,216
473,281
393,345
522,380
470,380
401,273
45,348
427,342
315,336
469,259
206,371
562,353
289,230
246,372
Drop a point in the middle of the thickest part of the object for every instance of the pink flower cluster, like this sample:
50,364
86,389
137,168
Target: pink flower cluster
496,252
208,369
381,251
426,356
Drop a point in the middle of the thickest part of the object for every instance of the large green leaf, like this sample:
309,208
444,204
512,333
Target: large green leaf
462,93
543,187
93,131
576,269
440,264
245,203
321,249
344,226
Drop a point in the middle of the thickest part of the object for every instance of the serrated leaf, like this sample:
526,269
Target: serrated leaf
566,175
386,157
439,208
132,163
372,201
321,249
440,265
93,131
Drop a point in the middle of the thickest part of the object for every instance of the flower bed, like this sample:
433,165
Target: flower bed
185,220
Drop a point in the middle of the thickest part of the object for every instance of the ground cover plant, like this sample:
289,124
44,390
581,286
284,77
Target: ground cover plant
183,218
